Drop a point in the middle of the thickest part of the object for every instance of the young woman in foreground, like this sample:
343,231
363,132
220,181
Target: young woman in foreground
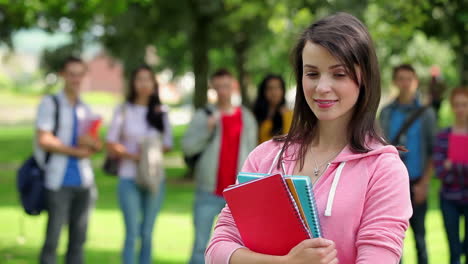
360,183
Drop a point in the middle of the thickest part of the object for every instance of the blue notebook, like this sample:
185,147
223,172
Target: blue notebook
304,190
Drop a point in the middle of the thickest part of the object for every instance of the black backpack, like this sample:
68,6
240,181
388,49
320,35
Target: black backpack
191,161
30,177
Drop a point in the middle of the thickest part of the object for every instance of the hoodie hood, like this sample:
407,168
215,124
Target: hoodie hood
346,155
376,149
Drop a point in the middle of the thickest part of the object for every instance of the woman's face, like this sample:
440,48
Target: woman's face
274,92
460,106
144,83
329,91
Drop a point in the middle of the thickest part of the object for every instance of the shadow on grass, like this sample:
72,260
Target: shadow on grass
179,194
25,255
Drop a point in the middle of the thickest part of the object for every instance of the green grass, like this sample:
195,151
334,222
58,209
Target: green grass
21,236
95,98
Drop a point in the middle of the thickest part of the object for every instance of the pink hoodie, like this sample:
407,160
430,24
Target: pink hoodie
363,202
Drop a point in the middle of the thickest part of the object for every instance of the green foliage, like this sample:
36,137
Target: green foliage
250,37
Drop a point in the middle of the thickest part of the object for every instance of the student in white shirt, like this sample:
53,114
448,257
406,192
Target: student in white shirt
140,116
69,177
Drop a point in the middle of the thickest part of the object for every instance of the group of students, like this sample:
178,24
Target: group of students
227,134
367,190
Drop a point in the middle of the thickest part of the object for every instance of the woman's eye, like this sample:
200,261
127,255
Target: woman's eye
312,74
340,74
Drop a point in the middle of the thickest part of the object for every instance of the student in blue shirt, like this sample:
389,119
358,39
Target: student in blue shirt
69,178
418,138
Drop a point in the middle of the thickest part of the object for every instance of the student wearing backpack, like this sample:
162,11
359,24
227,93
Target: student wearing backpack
69,177
408,123
222,139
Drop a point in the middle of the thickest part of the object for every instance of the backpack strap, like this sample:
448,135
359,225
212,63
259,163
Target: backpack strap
208,111
56,121
408,122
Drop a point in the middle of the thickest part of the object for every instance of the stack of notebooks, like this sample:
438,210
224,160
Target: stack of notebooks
273,213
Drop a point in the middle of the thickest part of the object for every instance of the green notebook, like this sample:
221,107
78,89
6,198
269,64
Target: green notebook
306,196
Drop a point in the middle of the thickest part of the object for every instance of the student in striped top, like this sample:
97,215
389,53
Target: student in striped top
454,176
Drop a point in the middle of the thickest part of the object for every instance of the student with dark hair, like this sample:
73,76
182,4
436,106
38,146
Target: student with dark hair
408,123
453,174
223,136
64,155
141,116
273,117
360,184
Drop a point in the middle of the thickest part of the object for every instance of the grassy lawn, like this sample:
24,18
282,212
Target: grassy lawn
21,236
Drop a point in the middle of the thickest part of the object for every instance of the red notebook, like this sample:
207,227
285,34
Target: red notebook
266,215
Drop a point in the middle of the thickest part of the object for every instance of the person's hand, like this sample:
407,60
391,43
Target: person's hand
159,109
315,250
85,140
98,145
420,192
134,157
447,164
90,142
82,152
166,148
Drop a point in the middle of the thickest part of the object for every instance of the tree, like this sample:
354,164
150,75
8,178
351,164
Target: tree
448,20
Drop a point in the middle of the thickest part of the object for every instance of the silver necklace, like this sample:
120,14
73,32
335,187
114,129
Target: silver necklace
317,168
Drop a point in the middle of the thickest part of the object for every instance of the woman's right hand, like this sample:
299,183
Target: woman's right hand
315,250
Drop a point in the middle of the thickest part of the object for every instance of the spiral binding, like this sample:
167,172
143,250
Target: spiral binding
296,211
313,206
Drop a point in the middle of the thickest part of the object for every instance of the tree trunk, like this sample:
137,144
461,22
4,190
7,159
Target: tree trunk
463,59
241,48
200,62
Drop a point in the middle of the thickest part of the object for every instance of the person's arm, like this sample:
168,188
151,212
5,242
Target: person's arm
198,133
50,143
95,144
386,212
113,144
226,245
167,135
252,130
46,140
439,156
431,137
430,127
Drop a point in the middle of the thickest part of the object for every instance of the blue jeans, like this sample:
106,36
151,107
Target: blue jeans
452,211
139,208
207,206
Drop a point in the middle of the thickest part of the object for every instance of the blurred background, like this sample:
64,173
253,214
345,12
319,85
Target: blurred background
184,41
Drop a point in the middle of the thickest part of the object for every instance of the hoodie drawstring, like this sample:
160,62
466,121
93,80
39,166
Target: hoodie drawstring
275,161
331,194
